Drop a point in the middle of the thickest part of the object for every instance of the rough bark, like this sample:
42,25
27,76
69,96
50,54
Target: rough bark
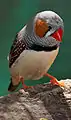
43,101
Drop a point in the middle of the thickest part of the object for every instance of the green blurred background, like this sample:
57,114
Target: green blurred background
14,14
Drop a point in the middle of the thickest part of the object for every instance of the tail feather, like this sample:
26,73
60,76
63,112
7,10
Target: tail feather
12,87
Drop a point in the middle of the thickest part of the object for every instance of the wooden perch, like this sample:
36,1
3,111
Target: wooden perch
43,101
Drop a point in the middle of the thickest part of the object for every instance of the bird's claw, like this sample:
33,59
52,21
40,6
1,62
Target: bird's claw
56,82
26,87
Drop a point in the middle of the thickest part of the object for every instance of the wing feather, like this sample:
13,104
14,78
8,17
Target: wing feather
16,49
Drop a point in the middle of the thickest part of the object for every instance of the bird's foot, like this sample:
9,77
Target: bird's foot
54,81
23,90
24,86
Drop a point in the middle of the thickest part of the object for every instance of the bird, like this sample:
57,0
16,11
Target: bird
35,48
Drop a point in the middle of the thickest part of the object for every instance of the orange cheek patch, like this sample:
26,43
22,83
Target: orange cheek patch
41,28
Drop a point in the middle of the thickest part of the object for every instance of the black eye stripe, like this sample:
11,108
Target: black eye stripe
45,33
49,28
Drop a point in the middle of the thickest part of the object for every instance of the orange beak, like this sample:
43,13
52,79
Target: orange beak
58,34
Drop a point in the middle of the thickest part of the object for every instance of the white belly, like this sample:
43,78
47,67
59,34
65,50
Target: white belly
32,64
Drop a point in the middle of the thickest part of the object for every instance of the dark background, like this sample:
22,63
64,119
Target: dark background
14,14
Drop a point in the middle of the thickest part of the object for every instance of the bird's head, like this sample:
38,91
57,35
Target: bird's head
47,28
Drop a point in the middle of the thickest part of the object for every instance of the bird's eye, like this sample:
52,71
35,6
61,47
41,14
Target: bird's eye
41,28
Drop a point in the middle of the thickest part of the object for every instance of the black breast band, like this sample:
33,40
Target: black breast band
43,48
